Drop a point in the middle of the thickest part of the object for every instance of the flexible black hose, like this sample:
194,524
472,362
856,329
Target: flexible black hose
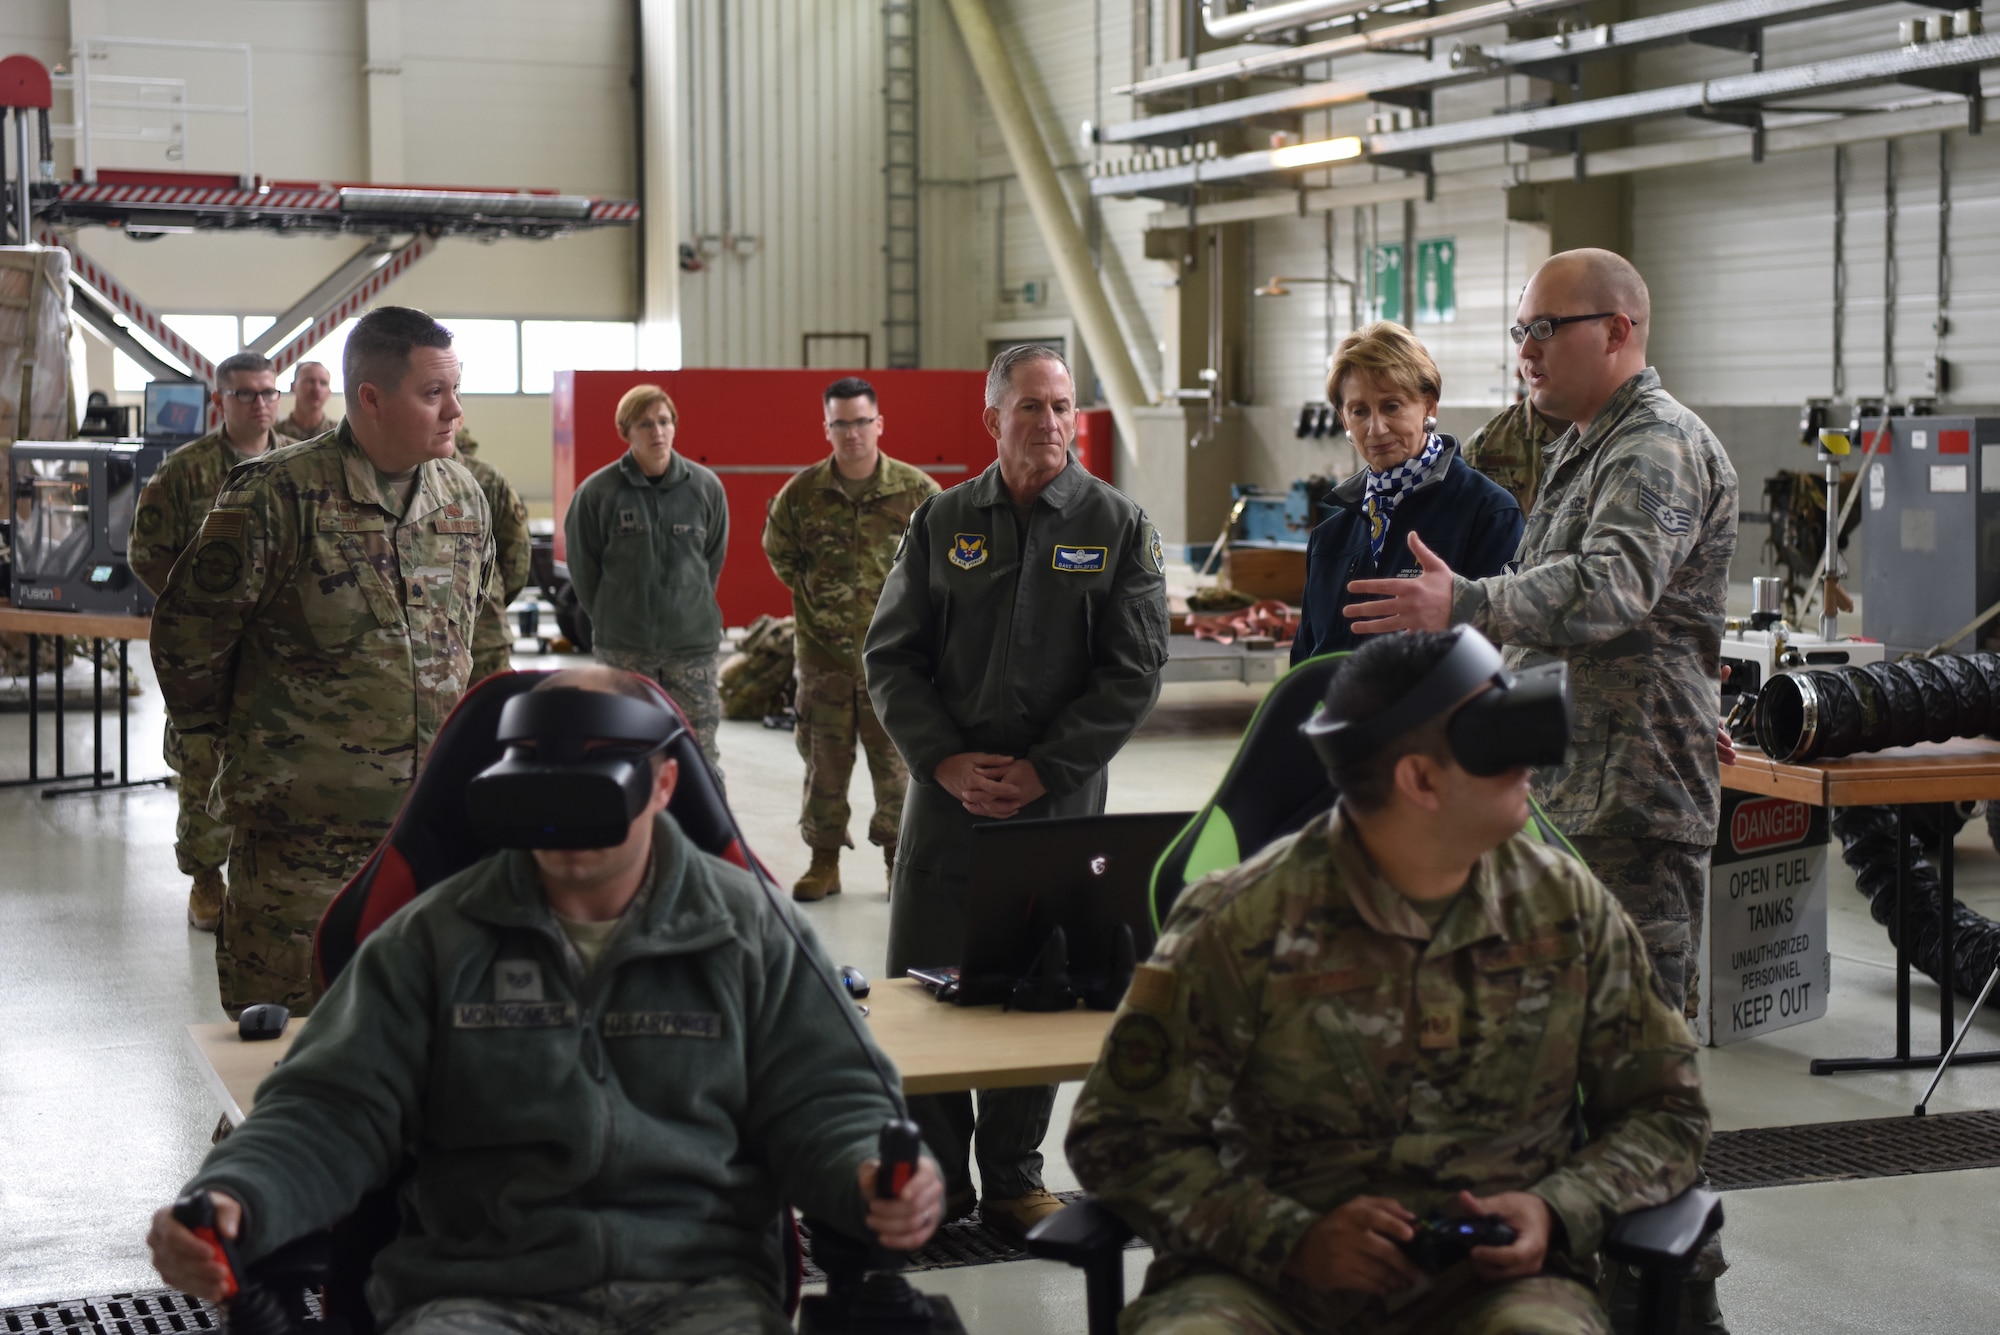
1868,845
1832,712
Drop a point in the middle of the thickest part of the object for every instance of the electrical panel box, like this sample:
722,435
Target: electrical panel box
1930,529
72,506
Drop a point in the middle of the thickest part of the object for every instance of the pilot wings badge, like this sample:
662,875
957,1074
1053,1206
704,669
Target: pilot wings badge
968,550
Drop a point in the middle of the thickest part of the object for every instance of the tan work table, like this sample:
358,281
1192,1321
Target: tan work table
1966,769
937,1048
98,627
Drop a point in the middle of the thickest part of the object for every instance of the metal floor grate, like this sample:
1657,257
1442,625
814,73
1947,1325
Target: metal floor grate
962,1242
1781,1156
155,1313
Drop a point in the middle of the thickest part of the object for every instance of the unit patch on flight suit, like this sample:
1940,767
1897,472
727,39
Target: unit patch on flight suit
1081,560
968,550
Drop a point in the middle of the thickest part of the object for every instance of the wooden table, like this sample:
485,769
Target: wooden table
1966,769
937,1048
99,628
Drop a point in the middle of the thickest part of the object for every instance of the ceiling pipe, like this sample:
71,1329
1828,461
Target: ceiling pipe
1228,27
1401,34
1046,200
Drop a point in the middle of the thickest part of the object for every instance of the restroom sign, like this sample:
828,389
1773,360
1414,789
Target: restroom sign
1764,960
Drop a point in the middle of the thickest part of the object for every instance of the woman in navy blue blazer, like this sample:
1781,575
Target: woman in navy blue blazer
1385,387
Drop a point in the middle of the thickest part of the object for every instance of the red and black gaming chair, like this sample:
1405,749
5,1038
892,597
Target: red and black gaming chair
433,837
431,840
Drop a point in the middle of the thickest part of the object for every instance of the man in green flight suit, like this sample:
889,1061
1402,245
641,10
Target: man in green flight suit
319,629
493,638
1399,1011
1017,645
831,536
168,515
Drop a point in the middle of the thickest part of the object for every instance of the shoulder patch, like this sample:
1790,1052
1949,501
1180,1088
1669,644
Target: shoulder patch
218,568
1153,989
1080,560
1137,1053
221,523
1153,549
1672,519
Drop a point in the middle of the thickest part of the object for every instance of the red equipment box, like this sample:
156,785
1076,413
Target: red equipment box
756,429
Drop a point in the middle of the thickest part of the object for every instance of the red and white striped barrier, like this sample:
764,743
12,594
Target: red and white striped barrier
360,295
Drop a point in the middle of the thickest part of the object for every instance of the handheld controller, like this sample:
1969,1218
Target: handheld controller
195,1212
898,1148
1442,1243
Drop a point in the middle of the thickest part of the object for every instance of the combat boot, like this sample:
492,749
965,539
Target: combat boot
205,900
821,879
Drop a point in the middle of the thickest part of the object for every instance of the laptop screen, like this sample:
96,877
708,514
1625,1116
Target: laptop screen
1085,874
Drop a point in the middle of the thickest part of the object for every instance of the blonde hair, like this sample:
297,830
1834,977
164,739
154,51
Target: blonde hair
639,401
1389,351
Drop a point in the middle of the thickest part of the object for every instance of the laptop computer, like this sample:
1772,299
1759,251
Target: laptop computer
1086,874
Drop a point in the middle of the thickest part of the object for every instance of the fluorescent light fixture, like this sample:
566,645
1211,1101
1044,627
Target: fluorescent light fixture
1312,155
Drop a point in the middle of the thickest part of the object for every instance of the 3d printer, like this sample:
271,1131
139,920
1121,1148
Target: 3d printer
72,519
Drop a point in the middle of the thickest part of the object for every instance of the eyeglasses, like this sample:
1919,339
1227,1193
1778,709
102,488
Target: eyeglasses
252,395
1540,330
856,424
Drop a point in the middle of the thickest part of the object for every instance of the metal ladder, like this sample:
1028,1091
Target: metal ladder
899,178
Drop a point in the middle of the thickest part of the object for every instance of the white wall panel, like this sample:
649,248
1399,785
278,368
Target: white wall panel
790,122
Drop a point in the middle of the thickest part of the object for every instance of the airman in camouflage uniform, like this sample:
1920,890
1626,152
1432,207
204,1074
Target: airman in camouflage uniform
169,513
1624,574
1268,1067
320,637
493,638
832,540
310,381
1509,449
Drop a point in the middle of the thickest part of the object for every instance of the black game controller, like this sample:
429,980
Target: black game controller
1442,1243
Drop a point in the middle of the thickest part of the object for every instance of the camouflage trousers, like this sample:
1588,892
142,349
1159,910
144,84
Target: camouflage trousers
280,882
487,661
1663,886
690,680
725,1306
1006,1134
201,842
835,714
1217,1303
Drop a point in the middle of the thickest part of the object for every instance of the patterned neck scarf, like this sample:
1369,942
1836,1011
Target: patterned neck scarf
1387,490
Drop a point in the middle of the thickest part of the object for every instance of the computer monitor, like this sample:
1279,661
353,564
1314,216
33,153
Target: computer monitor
1086,874
175,408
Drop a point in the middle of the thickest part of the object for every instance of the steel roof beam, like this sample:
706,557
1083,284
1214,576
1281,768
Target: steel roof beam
1734,24
1744,91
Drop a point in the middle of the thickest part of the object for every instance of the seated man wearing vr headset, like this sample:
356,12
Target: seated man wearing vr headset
604,1055
1342,1095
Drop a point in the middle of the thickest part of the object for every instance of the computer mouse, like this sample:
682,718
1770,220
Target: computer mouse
855,981
266,1019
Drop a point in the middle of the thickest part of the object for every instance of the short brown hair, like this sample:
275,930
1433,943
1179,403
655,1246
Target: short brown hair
639,401
1387,350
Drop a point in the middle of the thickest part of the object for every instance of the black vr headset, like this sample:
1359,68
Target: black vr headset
1520,720
548,790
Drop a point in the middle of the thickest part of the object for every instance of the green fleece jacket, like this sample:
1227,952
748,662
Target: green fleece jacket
640,1123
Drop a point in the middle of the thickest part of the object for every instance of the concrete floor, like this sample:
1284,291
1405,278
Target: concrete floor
103,1114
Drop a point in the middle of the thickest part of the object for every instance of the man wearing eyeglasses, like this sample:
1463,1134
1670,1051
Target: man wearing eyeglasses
168,515
1623,572
831,537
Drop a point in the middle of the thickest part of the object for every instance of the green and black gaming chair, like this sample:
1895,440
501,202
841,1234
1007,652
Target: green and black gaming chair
1273,787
